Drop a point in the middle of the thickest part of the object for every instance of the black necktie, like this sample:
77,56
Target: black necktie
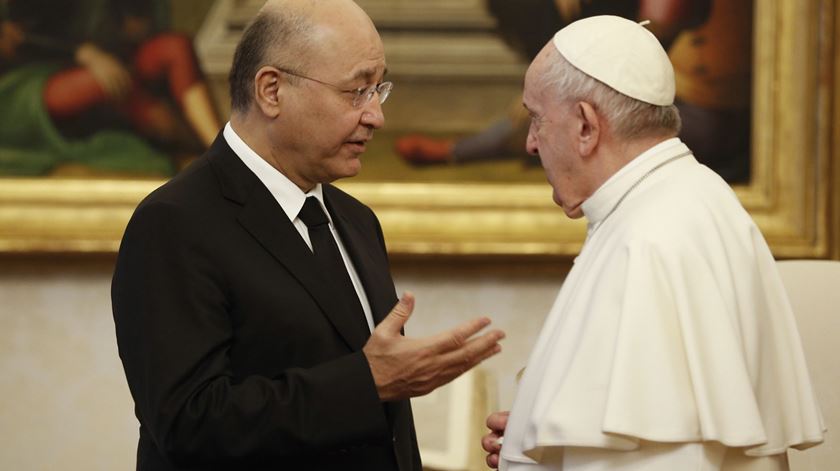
328,258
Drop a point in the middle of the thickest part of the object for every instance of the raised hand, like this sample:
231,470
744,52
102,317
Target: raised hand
404,367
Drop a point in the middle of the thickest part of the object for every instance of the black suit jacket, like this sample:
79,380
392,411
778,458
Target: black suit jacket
236,353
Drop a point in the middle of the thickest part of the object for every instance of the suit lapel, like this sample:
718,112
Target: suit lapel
374,275
265,220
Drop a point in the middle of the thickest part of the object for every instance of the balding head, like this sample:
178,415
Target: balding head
295,35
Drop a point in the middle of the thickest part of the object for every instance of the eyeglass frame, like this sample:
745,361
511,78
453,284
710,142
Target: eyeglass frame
361,96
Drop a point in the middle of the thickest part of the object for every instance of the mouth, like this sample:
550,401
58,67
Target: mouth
357,145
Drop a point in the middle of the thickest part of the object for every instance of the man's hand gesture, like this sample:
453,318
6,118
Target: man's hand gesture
404,367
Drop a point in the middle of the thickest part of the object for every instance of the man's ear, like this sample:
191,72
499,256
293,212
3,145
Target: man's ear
589,131
268,85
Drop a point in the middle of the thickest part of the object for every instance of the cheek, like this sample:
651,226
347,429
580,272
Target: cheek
555,195
551,155
330,120
558,171
340,127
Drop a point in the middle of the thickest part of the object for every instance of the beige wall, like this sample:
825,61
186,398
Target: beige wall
65,404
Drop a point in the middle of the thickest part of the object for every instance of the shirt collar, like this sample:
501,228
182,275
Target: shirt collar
288,195
597,206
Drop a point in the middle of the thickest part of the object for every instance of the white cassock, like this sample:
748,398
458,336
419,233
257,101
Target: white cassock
671,345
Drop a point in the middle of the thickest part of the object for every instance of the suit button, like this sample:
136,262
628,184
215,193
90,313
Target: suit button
394,438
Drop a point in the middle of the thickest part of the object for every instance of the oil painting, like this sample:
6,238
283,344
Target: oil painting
103,100
708,41
99,87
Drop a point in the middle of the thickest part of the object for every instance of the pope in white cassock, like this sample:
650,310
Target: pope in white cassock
672,345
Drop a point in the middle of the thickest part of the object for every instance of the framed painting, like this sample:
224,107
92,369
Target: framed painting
99,88
455,77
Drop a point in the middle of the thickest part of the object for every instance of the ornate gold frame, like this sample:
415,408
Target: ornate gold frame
790,195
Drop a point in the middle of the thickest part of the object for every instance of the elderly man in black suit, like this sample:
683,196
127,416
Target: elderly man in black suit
251,297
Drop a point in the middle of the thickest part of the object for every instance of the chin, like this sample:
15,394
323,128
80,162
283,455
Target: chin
574,213
354,166
349,169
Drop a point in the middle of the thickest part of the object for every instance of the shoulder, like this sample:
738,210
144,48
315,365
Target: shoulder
196,180
196,189
689,206
190,199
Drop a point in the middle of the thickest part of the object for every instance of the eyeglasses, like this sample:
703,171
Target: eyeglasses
361,96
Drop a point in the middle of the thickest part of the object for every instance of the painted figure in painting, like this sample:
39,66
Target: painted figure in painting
708,41
100,83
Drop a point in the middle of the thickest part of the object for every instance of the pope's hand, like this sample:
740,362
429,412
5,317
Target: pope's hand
404,367
492,442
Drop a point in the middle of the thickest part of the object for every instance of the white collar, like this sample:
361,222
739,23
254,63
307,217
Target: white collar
601,202
288,195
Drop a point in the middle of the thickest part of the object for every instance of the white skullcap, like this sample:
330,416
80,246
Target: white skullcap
620,53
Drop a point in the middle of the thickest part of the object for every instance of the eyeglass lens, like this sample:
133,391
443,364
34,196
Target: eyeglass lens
383,89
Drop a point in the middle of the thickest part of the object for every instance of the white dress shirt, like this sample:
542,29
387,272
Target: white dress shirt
291,198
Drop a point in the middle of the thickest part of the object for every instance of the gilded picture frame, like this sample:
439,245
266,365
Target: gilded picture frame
789,196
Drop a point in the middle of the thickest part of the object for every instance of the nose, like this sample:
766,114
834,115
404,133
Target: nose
531,143
372,115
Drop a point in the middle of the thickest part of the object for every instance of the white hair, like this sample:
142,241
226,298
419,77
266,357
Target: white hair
627,117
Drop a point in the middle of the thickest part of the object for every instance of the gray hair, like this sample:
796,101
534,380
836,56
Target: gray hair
627,117
275,37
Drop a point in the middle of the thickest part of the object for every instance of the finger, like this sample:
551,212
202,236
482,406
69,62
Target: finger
490,443
473,352
497,421
459,336
454,364
399,315
493,461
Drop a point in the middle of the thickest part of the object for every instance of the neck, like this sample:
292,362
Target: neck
253,130
617,154
632,149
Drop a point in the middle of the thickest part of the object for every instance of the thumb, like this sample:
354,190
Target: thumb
396,319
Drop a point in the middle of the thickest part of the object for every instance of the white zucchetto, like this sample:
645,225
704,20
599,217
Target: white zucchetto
622,54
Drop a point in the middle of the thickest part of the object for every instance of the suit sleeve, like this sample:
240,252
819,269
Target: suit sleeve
170,306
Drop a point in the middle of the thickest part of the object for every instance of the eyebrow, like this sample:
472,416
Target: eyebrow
367,74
